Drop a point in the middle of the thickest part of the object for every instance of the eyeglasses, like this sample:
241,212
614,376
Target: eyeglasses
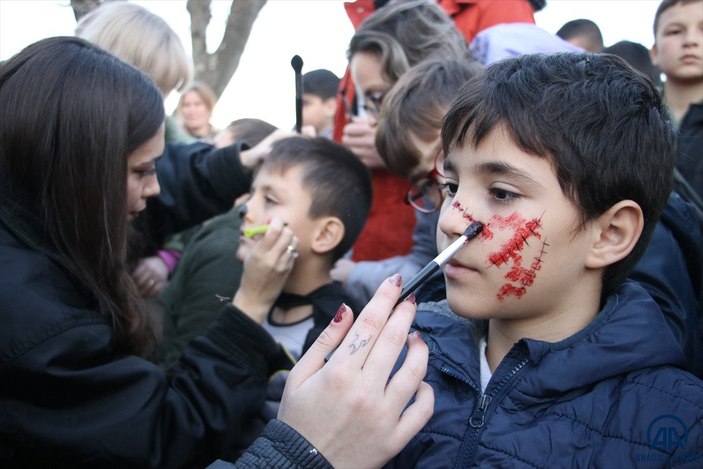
425,195
372,104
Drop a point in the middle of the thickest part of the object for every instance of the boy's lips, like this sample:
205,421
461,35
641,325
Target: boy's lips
454,269
247,239
690,58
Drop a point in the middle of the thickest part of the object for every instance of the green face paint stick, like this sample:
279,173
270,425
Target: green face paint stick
256,230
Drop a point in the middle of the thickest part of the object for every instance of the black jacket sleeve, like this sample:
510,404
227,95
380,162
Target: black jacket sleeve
279,447
197,182
68,400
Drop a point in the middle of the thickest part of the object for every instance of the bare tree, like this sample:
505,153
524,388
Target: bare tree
81,7
215,69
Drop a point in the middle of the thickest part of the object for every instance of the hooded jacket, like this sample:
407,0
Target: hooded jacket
608,396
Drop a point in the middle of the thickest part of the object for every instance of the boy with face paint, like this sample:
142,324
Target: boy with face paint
307,204
543,355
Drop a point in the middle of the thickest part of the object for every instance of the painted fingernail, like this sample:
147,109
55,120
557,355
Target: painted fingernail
411,299
340,313
396,280
415,335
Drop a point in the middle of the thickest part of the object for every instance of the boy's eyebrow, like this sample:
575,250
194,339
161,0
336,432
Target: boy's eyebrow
673,22
496,168
505,169
279,191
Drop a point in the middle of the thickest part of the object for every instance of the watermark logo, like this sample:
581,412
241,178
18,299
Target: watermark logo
667,433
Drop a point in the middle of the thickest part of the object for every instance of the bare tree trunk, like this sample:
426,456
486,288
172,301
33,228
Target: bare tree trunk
81,7
216,69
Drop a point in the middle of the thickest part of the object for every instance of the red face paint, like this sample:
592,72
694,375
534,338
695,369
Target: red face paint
519,277
486,232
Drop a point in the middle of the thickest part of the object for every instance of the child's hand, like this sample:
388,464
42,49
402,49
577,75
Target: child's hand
266,270
150,276
347,408
360,137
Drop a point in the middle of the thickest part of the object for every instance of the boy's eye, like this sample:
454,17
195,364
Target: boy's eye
672,32
449,189
503,195
270,200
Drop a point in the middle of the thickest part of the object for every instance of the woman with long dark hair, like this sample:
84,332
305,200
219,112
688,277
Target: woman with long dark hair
80,133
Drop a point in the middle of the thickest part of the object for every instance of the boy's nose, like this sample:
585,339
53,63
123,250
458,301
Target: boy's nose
694,36
243,211
249,212
453,219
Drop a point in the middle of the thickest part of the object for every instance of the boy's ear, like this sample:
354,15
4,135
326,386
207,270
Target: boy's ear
328,234
330,106
615,234
653,55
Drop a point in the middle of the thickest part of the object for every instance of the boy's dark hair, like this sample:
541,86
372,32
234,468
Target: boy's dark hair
537,5
250,130
582,28
603,126
321,83
416,105
638,57
339,183
665,5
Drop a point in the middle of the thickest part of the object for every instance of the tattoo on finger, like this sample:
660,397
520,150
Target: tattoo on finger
358,344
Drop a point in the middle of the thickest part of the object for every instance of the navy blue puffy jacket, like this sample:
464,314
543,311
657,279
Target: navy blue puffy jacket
605,397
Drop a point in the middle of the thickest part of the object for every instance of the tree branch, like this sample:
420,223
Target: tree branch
200,16
81,7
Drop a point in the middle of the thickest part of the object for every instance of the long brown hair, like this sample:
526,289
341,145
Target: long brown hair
72,114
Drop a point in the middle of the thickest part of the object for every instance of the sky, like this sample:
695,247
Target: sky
318,30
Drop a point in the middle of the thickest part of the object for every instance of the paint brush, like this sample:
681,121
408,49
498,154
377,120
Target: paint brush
440,261
435,264
297,64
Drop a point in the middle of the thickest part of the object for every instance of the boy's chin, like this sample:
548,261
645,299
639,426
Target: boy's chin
462,307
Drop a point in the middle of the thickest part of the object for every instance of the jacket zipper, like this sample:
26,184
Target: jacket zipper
478,416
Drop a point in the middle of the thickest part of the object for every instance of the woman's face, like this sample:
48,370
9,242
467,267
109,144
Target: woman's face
196,115
368,76
141,174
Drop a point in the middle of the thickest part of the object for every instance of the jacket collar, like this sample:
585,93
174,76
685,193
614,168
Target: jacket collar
628,334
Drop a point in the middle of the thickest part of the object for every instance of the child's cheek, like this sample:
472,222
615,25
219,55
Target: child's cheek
518,232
